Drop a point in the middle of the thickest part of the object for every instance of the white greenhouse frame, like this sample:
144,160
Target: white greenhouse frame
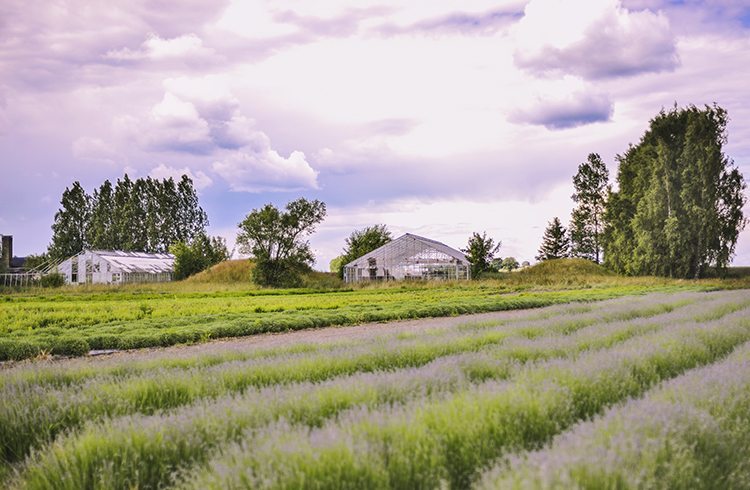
409,257
116,267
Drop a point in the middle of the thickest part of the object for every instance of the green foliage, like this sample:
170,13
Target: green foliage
336,265
71,222
362,242
15,349
227,272
678,209
555,242
180,312
510,264
70,346
146,215
52,280
275,240
587,221
33,261
198,255
480,251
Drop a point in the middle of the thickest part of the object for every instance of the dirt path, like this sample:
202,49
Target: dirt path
309,336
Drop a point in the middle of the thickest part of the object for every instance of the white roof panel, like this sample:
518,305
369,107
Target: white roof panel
406,247
137,261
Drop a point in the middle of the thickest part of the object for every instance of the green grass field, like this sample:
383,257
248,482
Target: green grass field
642,391
73,320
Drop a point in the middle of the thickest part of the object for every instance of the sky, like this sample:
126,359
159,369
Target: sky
432,117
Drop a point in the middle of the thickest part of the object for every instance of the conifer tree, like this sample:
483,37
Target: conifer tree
555,243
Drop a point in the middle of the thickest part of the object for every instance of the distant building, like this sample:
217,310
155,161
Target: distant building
409,257
8,262
116,267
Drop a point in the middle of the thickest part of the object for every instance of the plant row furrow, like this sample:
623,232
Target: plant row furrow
694,432
32,416
77,371
145,452
426,444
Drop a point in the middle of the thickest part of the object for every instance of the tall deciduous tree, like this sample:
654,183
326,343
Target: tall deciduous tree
71,223
275,239
145,215
480,251
191,219
362,242
555,243
587,221
101,232
678,209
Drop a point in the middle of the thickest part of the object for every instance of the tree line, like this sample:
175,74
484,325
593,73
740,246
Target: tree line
677,210
144,215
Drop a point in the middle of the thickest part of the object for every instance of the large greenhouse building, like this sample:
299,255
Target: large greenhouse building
408,257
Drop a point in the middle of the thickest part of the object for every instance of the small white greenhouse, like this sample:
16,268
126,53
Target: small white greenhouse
116,267
409,257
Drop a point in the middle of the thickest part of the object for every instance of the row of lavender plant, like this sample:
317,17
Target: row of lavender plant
426,444
32,415
694,432
77,371
128,450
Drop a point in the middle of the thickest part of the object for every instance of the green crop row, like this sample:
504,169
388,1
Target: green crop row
692,433
561,318
145,452
32,415
29,328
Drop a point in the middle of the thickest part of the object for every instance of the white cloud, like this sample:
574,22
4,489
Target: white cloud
155,48
174,124
593,38
258,168
199,178
94,149
254,19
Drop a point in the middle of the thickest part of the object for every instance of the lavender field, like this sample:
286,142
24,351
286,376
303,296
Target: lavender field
638,392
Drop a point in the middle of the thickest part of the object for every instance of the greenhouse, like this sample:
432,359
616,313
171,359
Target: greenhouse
409,257
116,267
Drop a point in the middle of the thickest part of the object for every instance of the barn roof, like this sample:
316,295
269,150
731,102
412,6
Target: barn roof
408,247
137,261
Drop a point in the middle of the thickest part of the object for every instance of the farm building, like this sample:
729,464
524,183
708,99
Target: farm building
116,267
408,257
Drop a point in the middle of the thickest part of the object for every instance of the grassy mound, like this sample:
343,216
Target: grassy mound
563,272
566,267
229,271
240,271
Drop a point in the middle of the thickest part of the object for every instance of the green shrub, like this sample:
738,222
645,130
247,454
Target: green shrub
15,350
70,346
54,280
